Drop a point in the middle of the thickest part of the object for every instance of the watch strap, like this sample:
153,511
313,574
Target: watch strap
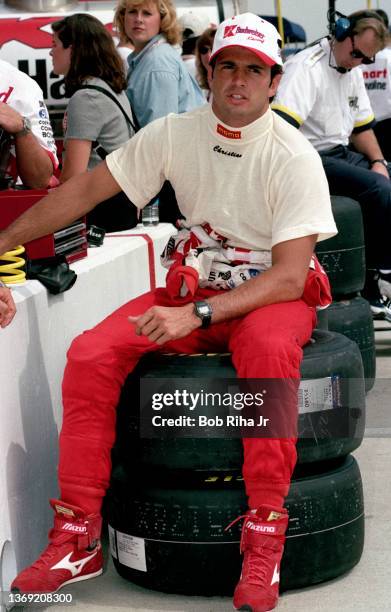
378,161
26,127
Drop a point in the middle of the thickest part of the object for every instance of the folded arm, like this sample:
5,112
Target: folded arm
33,162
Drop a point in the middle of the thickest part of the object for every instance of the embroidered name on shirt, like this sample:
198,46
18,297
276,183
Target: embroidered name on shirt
218,149
235,135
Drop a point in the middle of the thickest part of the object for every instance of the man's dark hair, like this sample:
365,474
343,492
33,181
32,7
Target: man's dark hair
93,52
276,69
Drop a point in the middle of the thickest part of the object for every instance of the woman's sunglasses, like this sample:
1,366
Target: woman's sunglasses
357,54
204,50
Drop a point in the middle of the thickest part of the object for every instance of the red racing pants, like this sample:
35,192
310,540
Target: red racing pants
266,343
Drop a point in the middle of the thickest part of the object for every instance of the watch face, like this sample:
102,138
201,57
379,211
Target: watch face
203,309
26,124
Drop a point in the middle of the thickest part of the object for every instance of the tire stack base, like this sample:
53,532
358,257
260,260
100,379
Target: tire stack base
177,534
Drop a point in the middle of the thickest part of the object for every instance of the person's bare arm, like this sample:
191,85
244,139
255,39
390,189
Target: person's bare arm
76,158
367,144
33,162
62,206
283,282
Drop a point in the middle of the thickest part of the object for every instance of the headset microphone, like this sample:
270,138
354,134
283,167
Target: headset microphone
340,69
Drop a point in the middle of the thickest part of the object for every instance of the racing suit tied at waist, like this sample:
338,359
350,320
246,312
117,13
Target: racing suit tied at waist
200,257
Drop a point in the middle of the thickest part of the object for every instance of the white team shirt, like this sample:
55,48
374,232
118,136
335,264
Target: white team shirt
24,95
258,185
377,78
326,104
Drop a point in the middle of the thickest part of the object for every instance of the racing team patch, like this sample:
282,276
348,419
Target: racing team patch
234,134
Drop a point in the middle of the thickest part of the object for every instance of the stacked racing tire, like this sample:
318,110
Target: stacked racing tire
171,500
343,258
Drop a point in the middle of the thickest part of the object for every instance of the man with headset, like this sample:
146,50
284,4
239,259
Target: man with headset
322,93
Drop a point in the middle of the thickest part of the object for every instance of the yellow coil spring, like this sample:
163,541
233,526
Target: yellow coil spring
10,273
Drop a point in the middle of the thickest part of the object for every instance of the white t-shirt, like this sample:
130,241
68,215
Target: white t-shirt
326,104
377,78
190,63
124,53
257,185
24,95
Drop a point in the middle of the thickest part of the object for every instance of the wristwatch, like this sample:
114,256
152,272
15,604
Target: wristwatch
26,127
203,310
379,161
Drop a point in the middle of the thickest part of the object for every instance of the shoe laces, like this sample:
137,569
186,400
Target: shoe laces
244,517
256,567
51,550
255,562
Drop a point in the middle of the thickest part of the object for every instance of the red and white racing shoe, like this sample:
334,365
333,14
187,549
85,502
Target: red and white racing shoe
74,552
262,543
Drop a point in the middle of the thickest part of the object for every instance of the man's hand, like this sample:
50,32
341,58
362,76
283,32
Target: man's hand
7,307
161,323
366,143
10,119
380,169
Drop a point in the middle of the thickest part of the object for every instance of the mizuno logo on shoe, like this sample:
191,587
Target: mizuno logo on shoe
260,528
74,528
75,567
276,575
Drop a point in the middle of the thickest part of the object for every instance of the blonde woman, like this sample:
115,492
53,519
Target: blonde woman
158,81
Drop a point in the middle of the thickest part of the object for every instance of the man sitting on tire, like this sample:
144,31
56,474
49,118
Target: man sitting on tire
323,94
253,189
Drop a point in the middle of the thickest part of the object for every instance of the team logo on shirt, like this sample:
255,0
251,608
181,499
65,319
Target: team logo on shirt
353,102
234,134
375,79
4,95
